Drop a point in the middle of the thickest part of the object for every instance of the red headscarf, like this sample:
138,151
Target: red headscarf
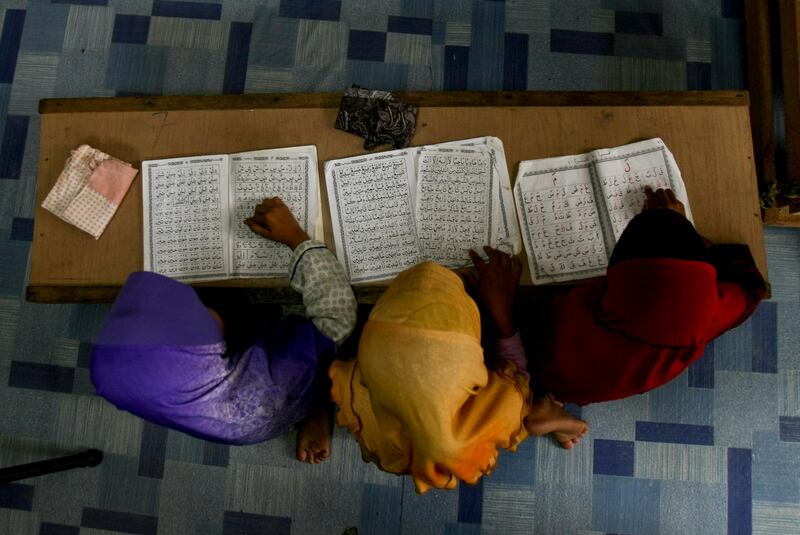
646,321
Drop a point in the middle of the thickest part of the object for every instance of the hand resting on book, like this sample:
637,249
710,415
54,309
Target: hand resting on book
496,285
664,199
273,220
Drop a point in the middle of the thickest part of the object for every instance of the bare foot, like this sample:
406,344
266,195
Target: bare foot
314,435
549,416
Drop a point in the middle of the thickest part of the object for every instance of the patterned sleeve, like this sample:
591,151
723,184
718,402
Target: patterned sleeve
327,296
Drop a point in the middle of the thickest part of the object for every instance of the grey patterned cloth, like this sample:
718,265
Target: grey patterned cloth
328,298
377,116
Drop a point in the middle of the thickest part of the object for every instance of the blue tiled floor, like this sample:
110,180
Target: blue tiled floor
715,451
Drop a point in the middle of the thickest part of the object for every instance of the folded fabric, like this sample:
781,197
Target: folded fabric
376,116
90,189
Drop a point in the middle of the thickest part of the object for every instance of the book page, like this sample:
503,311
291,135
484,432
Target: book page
455,203
372,213
623,172
507,236
185,204
562,230
290,174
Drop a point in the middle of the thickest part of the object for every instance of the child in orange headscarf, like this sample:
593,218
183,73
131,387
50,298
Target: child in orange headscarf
419,397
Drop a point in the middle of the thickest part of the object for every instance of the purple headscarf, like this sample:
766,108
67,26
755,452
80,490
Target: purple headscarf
162,356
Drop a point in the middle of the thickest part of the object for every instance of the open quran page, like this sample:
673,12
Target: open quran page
507,236
290,174
372,201
393,209
622,173
561,222
185,220
456,202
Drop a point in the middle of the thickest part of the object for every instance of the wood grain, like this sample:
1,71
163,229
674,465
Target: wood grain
711,143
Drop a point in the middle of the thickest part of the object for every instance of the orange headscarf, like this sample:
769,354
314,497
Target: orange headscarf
419,397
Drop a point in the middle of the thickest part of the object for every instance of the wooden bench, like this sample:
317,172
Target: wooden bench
708,132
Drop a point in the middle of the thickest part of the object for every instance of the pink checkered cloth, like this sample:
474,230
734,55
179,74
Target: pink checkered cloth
90,189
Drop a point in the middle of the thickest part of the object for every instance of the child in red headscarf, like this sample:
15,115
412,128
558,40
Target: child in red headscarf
667,293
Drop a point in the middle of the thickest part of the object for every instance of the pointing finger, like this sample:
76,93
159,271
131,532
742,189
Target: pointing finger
493,254
476,259
258,229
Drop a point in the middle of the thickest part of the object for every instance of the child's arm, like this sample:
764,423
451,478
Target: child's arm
496,284
511,349
313,270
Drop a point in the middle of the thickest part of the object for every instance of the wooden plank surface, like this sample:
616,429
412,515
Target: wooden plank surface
790,54
759,85
711,143
426,99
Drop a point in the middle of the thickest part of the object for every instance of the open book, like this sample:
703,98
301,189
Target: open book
393,209
194,210
573,209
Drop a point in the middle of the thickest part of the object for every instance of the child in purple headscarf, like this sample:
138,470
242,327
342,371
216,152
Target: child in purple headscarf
163,356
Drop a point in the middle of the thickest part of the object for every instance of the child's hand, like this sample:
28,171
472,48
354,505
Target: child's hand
662,198
274,221
496,284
